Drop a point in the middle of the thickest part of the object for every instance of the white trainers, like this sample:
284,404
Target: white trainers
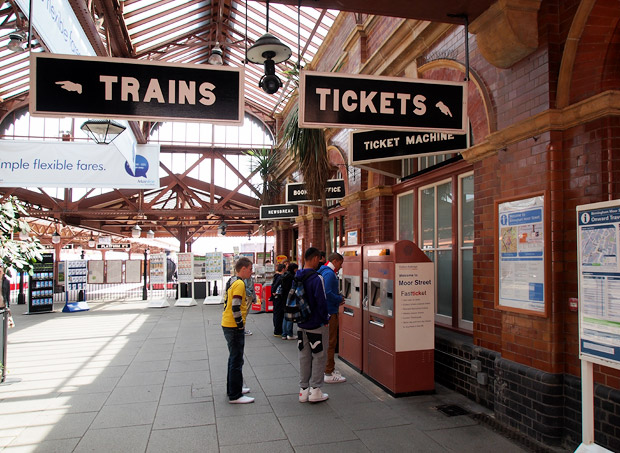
242,400
303,395
317,395
245,390
334,378
291,337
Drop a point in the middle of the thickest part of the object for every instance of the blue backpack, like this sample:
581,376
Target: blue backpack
297,308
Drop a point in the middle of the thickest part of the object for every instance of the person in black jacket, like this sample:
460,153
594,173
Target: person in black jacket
285,287
278,301
6,289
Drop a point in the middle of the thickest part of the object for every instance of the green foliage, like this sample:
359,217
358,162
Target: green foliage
17,254
266,160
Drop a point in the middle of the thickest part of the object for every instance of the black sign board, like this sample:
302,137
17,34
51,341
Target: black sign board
114,246
297,193
360,101
278,211
376,146
96,87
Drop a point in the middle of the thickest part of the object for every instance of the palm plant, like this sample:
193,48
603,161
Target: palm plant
308,147
265,160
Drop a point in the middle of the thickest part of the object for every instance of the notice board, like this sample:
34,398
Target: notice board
115,271
95,271
133,271
598,233
521,264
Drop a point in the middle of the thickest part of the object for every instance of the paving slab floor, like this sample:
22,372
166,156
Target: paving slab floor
126,378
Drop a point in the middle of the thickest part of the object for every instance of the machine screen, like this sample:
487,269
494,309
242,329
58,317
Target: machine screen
375,294
347,288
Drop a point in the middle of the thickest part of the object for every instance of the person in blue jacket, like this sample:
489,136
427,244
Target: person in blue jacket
312,334
329,273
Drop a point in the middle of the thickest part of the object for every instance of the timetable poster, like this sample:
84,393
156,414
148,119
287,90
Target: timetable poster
214,265
522,254
228,260
185,267
199,267
598,228
158,268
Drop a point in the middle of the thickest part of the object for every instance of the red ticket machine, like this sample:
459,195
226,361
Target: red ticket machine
350,317
398,317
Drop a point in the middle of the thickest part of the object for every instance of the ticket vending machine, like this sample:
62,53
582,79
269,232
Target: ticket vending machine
350,318
398,317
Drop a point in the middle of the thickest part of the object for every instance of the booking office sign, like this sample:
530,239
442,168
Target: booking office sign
598,227
97,87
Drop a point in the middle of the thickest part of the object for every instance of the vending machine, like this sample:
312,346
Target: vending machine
398,317
350,317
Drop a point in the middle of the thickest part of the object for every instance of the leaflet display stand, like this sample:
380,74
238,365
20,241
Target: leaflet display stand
41,286
185,274
214,270
77,275
158,273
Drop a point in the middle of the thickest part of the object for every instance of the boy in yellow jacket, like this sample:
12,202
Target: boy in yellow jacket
233,324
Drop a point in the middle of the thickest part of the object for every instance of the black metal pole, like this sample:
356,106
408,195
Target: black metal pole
144,289
21,299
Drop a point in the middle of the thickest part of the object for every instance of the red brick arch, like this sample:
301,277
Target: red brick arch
481,117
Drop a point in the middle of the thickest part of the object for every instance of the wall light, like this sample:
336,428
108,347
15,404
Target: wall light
150,234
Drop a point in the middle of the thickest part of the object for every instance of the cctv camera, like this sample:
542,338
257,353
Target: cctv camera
270,83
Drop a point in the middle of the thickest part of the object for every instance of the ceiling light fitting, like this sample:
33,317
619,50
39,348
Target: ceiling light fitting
136,231
150,234
16,41
91,241
103,132
216,58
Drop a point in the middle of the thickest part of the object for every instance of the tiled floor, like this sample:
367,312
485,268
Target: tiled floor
126,378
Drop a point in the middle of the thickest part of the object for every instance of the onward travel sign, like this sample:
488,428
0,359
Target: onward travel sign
360,101
278,211
376,146
297,192
95,87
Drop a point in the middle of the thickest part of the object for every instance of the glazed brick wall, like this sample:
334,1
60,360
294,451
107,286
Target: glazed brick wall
378,221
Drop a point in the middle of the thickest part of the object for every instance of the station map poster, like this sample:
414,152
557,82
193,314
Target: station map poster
185,268
95,271
200,267
520,255
598,227
133,271
214,265
114,272
228,260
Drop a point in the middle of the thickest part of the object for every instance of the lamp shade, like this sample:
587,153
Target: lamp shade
216,56
103,132
136,231
150,234
91,242
16,41
268,47
55,237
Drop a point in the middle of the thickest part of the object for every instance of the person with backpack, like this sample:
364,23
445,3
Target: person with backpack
233,325
313,332
278,301
329,273
285,287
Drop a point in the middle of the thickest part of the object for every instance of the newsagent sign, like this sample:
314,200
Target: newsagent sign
297,192
96,87
360,101
278,211
377,146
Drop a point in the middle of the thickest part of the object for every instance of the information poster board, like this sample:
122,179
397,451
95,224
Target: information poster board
200,266
598,235
114,272
95,271
158,268
520,255
228,260
133,271
185,267
77,274
249,255
215,262
415,307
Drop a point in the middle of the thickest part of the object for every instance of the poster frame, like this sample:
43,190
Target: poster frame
546,253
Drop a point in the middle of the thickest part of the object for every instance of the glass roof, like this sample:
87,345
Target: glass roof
178,31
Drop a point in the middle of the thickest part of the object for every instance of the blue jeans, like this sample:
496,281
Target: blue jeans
287,328
234,381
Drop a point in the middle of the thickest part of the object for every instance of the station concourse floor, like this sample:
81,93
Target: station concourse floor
126,378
